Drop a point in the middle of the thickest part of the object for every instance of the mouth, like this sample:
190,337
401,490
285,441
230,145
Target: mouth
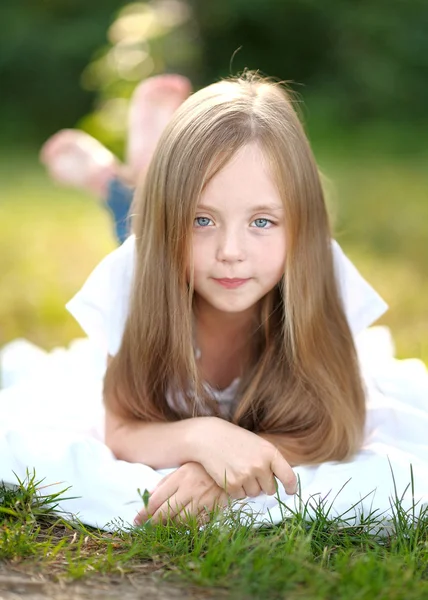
231,283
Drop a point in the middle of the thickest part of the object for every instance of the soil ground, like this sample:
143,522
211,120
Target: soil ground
19,584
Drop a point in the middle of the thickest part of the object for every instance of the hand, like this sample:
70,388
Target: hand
239,461
187,491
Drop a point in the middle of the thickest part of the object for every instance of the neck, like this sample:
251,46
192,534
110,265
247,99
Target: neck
221,324
224,342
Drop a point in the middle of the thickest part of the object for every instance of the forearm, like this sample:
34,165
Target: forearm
167,445
158,445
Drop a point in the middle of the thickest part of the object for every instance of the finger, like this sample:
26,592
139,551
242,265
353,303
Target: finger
159,497
210,505
237,494
141,517
169,510
252,488
189,511
212,499
147,512
207,502
267,483
185,514
205,514
203,517
282,470
162,481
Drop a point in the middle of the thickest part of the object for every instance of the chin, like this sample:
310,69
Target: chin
232,308
234,304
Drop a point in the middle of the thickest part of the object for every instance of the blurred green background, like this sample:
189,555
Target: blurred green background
361,72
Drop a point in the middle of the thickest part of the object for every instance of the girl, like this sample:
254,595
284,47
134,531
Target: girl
228,315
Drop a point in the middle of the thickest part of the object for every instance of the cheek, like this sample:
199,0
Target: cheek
276,271
272,256
277,262
279,274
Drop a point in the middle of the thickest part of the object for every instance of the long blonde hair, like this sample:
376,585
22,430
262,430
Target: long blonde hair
303,379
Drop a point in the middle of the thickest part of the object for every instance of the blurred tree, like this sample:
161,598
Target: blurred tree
146,38
44,47
366,59
357,60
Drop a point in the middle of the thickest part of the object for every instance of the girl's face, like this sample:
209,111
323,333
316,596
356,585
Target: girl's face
239,234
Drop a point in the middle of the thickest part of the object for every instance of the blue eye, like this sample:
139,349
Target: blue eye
261,223
202,221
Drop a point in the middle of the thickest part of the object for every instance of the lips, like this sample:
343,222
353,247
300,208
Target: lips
231,283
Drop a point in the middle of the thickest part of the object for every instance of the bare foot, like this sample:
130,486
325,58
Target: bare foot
152,105
75,158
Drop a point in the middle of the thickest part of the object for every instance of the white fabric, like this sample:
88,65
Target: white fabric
52,414
101,306
52,420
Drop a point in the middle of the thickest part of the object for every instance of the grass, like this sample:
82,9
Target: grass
50,240
313,558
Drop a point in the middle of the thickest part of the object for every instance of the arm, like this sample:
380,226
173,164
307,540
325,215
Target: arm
158,445
231,455
289,447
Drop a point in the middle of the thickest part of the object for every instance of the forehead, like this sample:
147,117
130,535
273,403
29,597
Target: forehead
245,179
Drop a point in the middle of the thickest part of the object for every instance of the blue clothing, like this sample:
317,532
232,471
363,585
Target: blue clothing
119,198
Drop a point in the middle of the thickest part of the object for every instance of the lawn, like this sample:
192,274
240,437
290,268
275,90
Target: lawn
318,559
50,240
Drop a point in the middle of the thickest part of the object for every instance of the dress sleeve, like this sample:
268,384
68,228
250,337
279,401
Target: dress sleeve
362,304
101,306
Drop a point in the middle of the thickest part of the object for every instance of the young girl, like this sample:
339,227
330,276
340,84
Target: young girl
229,315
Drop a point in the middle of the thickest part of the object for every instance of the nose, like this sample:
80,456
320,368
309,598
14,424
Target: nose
231,246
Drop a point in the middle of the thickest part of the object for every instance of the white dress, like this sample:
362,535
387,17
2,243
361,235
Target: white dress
52,414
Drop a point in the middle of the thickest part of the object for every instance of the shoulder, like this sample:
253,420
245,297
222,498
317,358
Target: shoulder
362,304
101,306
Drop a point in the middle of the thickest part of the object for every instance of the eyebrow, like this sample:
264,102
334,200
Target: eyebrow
253,209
